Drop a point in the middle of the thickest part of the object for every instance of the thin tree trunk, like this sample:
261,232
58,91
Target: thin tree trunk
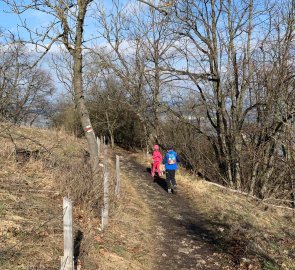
292,188
110,131
238,149
79,93
268,168
253,178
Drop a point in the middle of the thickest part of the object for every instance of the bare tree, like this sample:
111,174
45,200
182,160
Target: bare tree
122,57
66,27
107,107
274,85
157,44
139,46
211,34
219,42
23,90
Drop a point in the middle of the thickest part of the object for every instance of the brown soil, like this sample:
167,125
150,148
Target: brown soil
183,239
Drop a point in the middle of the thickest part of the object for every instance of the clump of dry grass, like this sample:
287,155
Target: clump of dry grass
77,182
124,244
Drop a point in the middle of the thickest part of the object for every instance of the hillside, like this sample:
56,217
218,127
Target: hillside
50,165
200,227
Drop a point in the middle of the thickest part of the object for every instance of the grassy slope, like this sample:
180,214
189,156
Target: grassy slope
31,208
257,236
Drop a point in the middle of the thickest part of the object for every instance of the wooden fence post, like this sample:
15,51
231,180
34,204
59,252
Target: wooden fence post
118,179
67,260
105,210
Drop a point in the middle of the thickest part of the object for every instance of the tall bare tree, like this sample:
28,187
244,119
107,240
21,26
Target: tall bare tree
219,42
212,31
139,46
66,27
273,83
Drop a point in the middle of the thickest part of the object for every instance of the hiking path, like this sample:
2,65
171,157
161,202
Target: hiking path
182,239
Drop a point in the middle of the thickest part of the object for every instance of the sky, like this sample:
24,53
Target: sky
36,19
9,21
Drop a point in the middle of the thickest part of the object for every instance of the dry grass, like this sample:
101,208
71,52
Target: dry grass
266,233
31,206
126,244
31,225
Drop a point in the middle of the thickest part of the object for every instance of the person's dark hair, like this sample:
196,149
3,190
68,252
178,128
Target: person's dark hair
169,147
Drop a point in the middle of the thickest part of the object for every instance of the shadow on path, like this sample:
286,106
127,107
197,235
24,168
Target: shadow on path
193,240
161,181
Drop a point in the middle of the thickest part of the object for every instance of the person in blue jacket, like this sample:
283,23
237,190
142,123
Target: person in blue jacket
171,161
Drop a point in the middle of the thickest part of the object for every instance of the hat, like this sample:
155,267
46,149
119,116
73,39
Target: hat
156,147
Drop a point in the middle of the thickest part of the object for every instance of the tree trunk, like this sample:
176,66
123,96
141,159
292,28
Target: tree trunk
292,188
110,130
253,178
112,139
268,169
79,93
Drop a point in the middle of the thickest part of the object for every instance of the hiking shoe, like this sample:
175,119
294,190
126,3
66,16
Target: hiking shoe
169,190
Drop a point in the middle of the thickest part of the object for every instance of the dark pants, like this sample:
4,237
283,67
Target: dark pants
170,178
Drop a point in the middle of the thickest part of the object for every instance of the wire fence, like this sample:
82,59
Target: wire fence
19,211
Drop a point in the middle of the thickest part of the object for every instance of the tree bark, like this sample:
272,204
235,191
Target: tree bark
78,88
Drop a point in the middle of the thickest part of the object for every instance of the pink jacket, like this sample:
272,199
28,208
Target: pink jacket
157,157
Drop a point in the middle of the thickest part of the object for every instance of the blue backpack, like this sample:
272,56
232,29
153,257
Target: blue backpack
171,158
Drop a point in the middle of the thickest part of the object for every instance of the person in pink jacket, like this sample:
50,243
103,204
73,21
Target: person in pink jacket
157,160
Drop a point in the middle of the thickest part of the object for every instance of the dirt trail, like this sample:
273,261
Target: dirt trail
183,240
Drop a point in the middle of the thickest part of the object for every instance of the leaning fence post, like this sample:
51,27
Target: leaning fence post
117,187
105,210
67,262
